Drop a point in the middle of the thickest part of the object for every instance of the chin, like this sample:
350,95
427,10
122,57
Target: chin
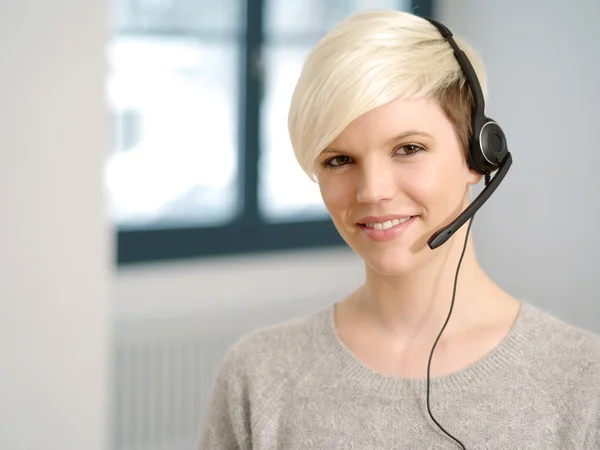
388,260
394,258
390,263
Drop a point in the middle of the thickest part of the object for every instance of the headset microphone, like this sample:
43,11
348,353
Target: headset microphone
487,148
441,236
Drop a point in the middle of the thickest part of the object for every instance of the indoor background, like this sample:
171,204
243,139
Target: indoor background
153,212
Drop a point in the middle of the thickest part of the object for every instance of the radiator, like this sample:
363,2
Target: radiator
163,372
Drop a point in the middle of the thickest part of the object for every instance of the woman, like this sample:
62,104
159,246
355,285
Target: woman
381,119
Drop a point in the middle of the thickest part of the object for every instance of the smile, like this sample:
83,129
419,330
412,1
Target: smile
387,224
387,230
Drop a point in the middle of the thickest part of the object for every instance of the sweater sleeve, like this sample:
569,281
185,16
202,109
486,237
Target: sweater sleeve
226,425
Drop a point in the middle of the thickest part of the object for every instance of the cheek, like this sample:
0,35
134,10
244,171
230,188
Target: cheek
433,187
337,194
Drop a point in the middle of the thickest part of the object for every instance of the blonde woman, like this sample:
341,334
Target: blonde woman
383,119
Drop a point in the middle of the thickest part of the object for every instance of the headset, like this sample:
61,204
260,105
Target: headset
487,153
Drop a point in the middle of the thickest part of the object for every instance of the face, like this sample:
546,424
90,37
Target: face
392,178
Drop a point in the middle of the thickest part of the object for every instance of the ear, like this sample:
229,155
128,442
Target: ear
473,177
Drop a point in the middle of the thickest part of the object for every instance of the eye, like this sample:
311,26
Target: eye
337,161
409,149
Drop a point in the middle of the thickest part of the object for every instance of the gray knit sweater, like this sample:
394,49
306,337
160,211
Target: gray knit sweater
296,386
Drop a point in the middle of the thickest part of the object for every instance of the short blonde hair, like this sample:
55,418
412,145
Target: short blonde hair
372,58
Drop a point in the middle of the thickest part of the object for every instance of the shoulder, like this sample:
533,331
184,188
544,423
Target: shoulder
561,351
254,370
557,334
271,354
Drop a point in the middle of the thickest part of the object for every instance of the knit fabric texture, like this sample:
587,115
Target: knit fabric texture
296,385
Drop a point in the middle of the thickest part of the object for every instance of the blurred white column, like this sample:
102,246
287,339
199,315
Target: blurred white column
55,240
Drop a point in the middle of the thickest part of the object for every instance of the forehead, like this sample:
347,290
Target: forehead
392,119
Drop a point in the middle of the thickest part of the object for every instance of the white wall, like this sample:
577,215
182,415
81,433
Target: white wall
55,255
537,236
282,283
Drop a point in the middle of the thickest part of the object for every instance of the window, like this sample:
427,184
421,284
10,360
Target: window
199,91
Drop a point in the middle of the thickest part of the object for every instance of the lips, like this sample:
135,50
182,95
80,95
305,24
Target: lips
387,224
385,228
382,219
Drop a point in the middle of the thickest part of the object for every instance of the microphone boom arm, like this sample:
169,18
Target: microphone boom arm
442,235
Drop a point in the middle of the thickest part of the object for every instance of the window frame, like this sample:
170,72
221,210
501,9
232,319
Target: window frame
247,233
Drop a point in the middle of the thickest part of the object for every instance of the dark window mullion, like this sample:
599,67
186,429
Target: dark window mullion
250,113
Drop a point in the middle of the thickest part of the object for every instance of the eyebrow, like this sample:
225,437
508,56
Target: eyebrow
400,137
408,133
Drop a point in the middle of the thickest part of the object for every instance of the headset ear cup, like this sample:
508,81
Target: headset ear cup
493,143
488,148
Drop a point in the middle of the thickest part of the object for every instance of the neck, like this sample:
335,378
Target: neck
415,305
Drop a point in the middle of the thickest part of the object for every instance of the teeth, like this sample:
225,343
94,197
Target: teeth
387,224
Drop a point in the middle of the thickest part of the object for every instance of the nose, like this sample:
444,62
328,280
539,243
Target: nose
376,183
